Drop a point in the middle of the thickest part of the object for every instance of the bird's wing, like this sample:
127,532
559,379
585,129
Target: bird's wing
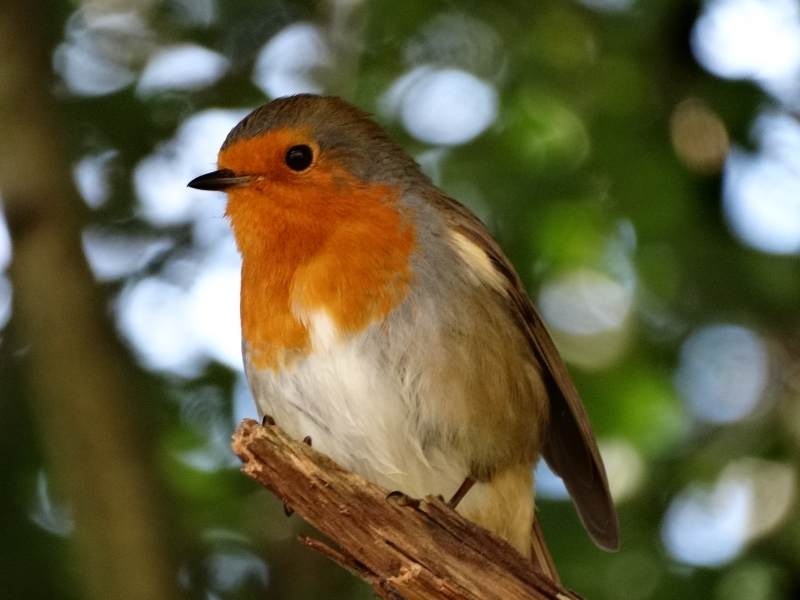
570,448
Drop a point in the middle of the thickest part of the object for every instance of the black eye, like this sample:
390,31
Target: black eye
299,157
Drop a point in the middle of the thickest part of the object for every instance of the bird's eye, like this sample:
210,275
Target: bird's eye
299,157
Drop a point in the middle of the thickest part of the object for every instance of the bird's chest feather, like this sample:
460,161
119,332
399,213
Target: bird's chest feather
357,407
348,259
316,301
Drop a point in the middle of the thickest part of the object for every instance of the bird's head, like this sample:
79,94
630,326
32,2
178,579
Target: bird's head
307,161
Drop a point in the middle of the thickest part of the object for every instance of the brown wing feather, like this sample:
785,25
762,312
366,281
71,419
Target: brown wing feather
570,450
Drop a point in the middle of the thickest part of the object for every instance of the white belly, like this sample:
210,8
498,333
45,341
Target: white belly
359,412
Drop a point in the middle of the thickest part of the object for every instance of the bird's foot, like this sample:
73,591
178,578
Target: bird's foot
402,499
267,420
461,492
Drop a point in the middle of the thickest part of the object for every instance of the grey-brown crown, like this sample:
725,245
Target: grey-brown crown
340,129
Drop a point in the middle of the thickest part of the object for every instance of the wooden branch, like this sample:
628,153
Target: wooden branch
404,548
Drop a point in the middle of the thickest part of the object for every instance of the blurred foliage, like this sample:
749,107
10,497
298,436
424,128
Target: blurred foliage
581,150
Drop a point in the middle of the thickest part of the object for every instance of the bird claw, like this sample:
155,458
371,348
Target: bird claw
307,440
287,511
461,492
267,420
402,499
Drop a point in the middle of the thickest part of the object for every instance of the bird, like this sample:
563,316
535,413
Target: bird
381,320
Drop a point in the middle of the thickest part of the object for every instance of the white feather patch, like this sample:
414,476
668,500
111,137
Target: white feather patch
480,266
355,410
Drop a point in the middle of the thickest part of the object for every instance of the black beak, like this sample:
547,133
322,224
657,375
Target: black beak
219,180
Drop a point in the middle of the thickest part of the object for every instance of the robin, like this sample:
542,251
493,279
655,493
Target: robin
380,318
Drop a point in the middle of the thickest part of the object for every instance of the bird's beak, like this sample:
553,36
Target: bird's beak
219,180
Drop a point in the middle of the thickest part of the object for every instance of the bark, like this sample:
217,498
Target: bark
404,548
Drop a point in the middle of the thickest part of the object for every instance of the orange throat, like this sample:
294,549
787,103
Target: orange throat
336,247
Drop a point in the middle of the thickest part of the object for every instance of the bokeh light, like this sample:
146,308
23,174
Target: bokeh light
625,467
180,325
161,178
291,61
91,175
113,255
448,97
152,317
48,512
228,571
761,192
5,240
751,39
179,321
699,137
710,527
445,107
589,315
774,487
5,260
723,372
548,484
181,67
101,51
244,407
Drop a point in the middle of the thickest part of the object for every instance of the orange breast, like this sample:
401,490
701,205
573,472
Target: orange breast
325,242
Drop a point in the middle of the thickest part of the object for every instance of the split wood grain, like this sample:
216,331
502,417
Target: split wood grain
403,547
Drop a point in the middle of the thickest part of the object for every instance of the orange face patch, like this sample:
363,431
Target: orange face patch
315,240
265,154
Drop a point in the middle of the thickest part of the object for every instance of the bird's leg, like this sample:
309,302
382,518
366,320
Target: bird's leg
461,492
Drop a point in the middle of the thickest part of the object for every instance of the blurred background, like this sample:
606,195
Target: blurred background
638,160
